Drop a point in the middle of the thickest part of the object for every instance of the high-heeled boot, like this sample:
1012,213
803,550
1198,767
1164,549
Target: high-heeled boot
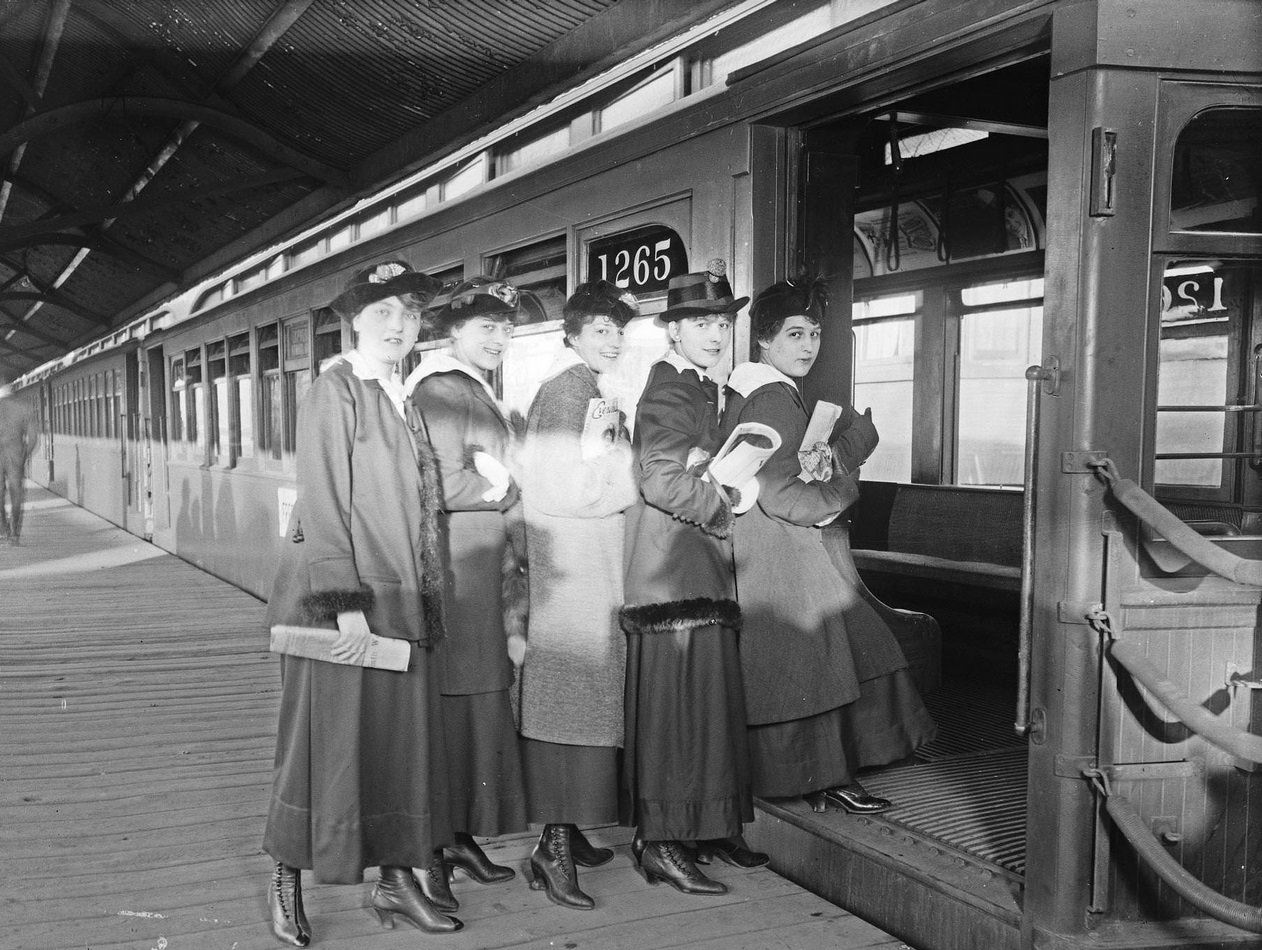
467,855
284,901
435,883
586,854
552,868
669,861
397,893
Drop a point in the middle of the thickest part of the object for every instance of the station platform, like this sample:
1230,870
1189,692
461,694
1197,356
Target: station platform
138,709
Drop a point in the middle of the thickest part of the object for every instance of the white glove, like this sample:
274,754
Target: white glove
353,639
494,472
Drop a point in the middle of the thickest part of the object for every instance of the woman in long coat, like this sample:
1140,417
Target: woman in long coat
576,483
359,777
472,439
685,763
827,689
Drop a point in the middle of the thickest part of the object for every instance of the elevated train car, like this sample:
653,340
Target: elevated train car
1041,224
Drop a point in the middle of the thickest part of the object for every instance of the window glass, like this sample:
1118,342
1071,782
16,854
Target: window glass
179,397
464,179
1217,173
799,30
328,336
521,151
539,268
884,355
218,435
241,394
649,95
195,420
271,410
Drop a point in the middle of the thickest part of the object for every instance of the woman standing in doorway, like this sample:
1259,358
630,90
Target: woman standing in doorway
472,439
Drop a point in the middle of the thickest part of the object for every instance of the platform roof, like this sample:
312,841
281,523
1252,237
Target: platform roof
148,144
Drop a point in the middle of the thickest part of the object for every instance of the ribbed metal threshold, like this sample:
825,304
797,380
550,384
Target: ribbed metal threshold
973,802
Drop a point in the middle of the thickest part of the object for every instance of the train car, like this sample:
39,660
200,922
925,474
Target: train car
1040,222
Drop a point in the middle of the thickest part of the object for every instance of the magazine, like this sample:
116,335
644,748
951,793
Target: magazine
316,643
600,427
815,461
744,454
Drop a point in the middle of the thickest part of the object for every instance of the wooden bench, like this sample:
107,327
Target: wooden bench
941,533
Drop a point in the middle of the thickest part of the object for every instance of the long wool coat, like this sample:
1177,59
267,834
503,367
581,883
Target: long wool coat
808,639
357,749
462,418
576,654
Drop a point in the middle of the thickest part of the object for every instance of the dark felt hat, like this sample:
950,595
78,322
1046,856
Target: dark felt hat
382,280
599,298
803,296
485,296
701,294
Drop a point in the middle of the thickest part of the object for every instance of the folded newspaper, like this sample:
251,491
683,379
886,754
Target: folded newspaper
814,455
744,454
316,643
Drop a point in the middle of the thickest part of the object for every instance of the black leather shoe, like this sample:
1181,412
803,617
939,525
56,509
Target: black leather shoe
552,869
434,881
731,851
586,854
284,901
638,844
397,894
470,858
670,862
855,799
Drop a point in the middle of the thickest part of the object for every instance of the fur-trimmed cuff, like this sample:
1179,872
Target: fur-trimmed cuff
681,615
327,604
721,523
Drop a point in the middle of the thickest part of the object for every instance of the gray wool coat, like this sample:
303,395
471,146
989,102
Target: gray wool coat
572,678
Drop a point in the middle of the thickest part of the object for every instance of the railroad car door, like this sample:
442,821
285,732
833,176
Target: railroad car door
1145,817
155,498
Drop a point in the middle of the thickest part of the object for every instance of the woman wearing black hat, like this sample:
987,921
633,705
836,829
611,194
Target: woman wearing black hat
827,689
576,483
686,765
358,749
472,439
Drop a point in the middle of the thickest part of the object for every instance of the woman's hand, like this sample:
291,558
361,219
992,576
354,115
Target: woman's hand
494,472
353,638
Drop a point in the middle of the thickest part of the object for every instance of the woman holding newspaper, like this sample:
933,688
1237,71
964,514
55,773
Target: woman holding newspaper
827,689
577,481
686,764
473,441
359,748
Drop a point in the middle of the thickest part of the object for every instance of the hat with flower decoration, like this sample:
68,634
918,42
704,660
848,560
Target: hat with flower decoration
599,298
701,294
485,296
380,281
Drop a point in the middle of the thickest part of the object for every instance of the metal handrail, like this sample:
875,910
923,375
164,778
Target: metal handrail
1025,630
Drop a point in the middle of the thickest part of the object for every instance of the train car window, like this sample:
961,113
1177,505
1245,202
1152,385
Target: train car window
271,404
464,179
296,371
884,374
541,269
375,222
111,402
218,437
305,253
328,337
179,398
528,148
195,421
241,389
411,203
1001,326
1217,173
652,93
211,297
341,238
1207,379
758,36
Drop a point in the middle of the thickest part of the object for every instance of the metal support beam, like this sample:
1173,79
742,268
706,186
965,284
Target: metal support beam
95,242
56,300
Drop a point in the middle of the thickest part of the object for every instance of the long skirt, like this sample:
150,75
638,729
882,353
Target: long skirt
571,784
886,723
358,779
488,792
686,765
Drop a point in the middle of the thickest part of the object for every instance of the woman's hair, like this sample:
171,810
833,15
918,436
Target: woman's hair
805,296
597,298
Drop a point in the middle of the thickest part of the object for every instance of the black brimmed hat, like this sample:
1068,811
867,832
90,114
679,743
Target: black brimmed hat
382,280
599,298
701,294
485,296
803,296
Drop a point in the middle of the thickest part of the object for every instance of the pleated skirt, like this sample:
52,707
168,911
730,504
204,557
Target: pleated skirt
484,773
359,770
888,722
571,784
686,760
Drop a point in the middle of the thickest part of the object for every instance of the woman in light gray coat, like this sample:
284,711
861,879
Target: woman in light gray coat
576,482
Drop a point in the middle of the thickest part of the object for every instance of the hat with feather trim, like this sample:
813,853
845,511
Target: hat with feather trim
485,296
701,294
380,281
599,298
804,296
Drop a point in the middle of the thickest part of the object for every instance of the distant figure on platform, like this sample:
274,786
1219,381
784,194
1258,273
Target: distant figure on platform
18,438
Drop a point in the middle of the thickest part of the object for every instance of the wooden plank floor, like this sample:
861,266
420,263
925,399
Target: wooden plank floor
137,721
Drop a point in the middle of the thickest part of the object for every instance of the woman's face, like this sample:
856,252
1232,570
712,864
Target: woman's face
599,343
794,348
481,341
386,331
701,340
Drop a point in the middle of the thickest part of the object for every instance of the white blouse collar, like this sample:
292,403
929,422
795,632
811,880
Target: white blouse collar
391,383
750,376
682,363
443,362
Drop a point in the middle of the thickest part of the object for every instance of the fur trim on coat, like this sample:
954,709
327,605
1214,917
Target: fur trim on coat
433,570
322,605
723,521
679,616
